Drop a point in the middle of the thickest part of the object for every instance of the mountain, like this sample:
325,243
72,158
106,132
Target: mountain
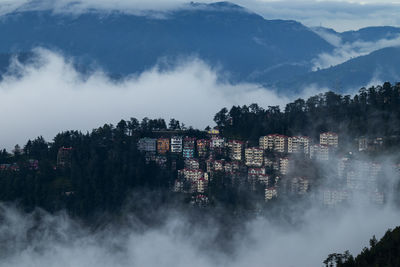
244,46
368,34
380,65
225,35
371,34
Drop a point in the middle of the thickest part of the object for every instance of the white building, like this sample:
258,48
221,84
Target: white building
192,164
299,185
270,193
334,197
275,142
329,139
284,164
298,144
254,156
319,152
235,149
217,142
343,166
176,144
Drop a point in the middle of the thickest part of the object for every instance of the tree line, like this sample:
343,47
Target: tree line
106,165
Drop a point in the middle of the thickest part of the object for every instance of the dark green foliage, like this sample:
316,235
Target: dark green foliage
385,253
372,112
105,167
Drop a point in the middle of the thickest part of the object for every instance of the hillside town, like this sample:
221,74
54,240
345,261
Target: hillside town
280,165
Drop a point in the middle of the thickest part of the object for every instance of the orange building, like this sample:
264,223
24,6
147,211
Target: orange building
162,145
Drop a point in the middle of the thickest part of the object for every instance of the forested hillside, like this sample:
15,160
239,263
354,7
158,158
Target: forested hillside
99,170
372,112
385,252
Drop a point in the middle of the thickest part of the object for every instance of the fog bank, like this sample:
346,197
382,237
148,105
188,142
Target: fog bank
58,241
50,96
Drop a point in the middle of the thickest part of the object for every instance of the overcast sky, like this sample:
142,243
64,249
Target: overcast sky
340,15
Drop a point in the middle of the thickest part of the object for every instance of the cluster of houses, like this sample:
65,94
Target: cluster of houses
32,164
270,165
359,179
261,165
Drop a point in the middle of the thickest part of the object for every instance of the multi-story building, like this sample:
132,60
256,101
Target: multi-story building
235,149
343,167
275,142
270,193
189,142
218,165
284,164
192,164
64,156
217,142
319,152
147,144
202,147
176,144
188,147
329,139
299,185
376,197
255,175
272,163
363,144
162,145
202,185
188,153
334,197
254,156
255,172
191,175
298,144
264,179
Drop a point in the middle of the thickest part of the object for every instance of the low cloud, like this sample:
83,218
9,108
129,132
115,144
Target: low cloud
40,239
50,96
346,51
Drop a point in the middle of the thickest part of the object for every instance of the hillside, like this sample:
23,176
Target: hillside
381,65
386,253
243,43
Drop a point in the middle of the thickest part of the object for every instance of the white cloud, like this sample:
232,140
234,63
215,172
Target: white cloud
345,51
52,96
181,241
340,15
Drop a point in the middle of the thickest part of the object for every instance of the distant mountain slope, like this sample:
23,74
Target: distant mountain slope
383,65
368,34
243,43
371,34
